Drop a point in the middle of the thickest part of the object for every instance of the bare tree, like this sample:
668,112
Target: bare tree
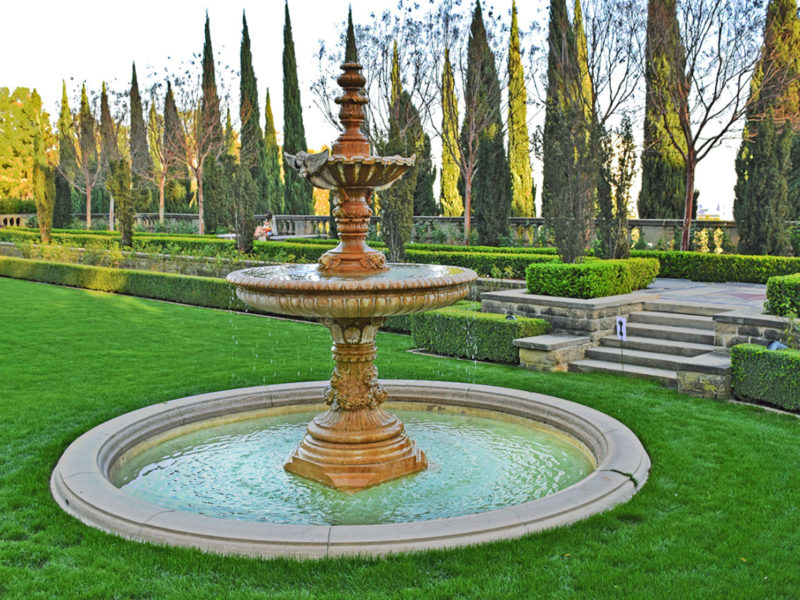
722,44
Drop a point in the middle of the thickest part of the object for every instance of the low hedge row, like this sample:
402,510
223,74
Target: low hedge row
593,279
783,295
766,376
186,289
509,265
707,266
455,331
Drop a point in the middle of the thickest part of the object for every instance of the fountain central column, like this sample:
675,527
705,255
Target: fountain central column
355,444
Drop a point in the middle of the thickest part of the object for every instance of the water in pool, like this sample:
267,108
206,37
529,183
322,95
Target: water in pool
477,463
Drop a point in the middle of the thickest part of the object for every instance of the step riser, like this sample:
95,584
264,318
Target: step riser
629,359
618,370
671,321
693,337
701,310
632,344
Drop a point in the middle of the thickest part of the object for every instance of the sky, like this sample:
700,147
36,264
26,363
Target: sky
43,42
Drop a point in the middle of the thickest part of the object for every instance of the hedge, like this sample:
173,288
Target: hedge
15,206
707,266
766,376
510,265
591,279
186,289
454,331
783,295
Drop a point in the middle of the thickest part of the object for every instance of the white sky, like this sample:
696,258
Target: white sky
43,42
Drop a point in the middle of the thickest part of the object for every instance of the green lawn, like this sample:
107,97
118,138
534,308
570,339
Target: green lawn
718,518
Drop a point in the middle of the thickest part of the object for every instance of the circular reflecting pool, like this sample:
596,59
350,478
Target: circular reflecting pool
479,461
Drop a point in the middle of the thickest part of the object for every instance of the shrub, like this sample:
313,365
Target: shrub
186,289
783,295
455,331
482,263
16,206
768,376
699,266
592,279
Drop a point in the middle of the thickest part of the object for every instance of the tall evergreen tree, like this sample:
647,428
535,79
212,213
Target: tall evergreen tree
211,194
44,187
492,182
274,189
449,196
780,97
109,152
582,55
570,161
119,183
230,136
67,167
794,180
243,198
89,165
519,159
560,43
141,161
253,152
177,193
762,204
297,191
663,167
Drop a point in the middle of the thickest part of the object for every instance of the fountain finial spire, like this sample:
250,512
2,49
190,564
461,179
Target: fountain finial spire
351,115
350,49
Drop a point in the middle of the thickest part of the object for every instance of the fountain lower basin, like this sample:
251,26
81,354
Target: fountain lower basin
81,481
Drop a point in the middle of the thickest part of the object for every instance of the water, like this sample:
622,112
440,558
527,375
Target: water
236,471
310,272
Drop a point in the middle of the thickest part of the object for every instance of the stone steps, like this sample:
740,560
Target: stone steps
672,320
642,358
667,332
588,365
657,345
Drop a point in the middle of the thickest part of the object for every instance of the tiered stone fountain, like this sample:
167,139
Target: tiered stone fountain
356,444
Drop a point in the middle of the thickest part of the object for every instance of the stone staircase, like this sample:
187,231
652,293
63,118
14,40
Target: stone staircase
660,340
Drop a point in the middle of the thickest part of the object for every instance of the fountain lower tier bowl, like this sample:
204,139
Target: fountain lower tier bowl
301,290
307,525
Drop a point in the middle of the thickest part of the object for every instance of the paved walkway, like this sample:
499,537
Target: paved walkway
737,296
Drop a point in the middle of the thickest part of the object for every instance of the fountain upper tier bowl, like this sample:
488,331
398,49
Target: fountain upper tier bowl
301,290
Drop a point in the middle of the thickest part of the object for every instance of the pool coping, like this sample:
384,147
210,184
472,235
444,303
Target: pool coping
80,483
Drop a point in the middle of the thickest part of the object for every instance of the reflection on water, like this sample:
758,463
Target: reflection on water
309,272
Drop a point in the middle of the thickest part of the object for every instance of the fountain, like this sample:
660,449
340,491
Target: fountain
550,462
355,444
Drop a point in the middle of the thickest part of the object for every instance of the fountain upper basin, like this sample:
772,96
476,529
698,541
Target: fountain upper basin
301,290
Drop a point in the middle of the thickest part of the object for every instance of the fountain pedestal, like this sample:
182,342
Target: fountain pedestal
356,444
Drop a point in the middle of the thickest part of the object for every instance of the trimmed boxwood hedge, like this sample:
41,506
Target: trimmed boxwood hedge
510,265
593,279
707,266
186,289
783,295
766,376
455,331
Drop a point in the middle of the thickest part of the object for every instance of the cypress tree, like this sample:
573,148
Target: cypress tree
762,206
178,189
44,187
774,90
87,142
570,161
67,167
449,197
518,150
141,162
230,136
109,151
274,189
297,191
662,194
212,207
253,152
560,41
582,55
424,201
794,180
119,183
243,198
492,182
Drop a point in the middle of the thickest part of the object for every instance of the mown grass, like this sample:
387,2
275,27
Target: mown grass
718,518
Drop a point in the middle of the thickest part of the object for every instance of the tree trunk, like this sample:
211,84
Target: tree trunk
467,207
111,213
161,185
691,165
201,226
88,206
